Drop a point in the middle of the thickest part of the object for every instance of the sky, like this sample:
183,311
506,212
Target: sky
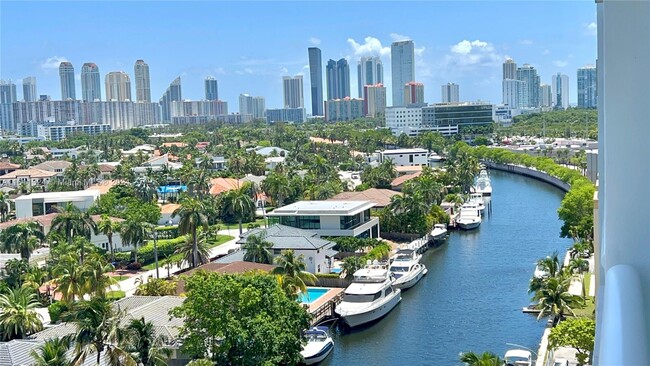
248,46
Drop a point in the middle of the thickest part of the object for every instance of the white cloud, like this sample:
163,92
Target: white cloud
220,71
560,63
546,52
371,46
399,37
526,42
52,62
591,29
465,47
315,41
470,54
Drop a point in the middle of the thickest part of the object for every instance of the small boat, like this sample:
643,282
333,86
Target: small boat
477,198
370,296
439,232
518,357
469,217
407,273
319,345
406,255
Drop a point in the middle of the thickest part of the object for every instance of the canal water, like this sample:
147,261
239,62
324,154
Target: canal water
472,297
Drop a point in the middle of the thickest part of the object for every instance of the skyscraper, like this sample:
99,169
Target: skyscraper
66,73
528,75
211,88
370,71
402,68
293,92
316,80
254,106
118,86
29,89
338,79
7,92
172,94
374,100
413,93
142,82
509,69
514,93
587,87
91,86
545,96
560,91
450,93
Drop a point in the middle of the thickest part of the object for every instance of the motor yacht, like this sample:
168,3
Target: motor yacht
406,272
319,345
370,296
469,217
477,198
439,232
518,357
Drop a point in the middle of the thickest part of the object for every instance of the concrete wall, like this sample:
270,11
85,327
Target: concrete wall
529,172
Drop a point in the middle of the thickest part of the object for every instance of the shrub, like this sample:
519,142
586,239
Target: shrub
56,309
115,295
134,266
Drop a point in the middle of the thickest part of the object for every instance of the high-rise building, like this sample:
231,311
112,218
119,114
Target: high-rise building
259,107
118,86
211,88
255,106
172,94
402,68
514,93
91,86
345,109
142,82
413,93
509,69
7,98
546,96
293,92
286,115
374,100
587,87
370,71
7,92
560,91
66,73
528,74
29,89
338,79
316,80
450,93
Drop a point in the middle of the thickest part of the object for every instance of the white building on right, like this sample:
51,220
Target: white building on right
405,157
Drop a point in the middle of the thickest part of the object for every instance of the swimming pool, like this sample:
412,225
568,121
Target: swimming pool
172,189
313,294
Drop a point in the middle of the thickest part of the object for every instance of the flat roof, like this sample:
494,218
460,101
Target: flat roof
404,151
59,195
322,208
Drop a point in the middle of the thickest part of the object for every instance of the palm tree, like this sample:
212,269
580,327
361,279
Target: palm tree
257,249
4,207
483,359
24,238
69,279
147,348
95,274
72,222
554,298
239,204
277,186
145,188
18,317
108,227
134,232
192,217
580,266
292,270
351,265
54,352
98,331
194,252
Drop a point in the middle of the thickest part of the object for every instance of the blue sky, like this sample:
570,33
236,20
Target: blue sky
249,46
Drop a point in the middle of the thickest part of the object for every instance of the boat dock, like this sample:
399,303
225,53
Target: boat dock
323,307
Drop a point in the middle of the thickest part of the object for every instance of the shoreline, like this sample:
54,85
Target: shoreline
529,172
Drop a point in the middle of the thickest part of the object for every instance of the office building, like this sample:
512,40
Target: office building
338,79
345,109
172,94
509,69
528,74
445,118
560,91
91,87
546,96
293,91
374,99
142,82
413,93
297,115
29,89
402,68
587,87
316,80
450,93
118,86
370,71
7,92
66,73
211,88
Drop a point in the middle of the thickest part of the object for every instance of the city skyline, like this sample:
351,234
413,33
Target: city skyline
465,52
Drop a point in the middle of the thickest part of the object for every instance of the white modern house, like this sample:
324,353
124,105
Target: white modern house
406,157
37,204
329,218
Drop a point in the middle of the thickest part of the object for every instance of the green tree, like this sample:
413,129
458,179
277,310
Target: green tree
578,333
577,212
146,189
238,203
147,348
95,275
5,207
291,269
192,217
201,362
54,352
351,265
554,298
17,315
134,232
71,222
240,320
483,359
257,249
69,279
156,287
194,251
109,227
24,238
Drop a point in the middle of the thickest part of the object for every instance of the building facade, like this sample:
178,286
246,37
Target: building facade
413,93
370,71
528,74
66,74
293,92
338,79
587,87
445,118
450,93
345,109
30,93
316,80
91,86
172,94
297,115
406,157
546,96
7,92
374,99
142,82
514,93
560,91
211,88
118,87
402,68
59,131
509,69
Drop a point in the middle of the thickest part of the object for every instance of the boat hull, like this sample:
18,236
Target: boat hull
355,320
320,356
409,280
469,225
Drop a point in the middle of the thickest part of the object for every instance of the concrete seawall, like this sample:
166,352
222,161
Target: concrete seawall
529,172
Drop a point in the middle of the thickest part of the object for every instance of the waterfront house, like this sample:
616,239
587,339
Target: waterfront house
380,197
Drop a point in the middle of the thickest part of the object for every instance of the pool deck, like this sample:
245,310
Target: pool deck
324,306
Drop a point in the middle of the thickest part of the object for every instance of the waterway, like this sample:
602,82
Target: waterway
471,299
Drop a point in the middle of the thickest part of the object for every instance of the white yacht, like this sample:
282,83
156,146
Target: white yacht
407,270
439,231
518,357
477,198
369,297
483,187
319,345
469,217
406,255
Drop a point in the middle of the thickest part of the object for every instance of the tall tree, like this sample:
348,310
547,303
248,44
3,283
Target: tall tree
69,279
257,249
95,275
17,315
54,352
24,238
108,227
555,300
146,189
239,204
134,232
147,348
192,213
483,359
291,269
71,222
194,252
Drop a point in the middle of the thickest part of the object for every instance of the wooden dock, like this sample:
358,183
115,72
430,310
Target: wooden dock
323,308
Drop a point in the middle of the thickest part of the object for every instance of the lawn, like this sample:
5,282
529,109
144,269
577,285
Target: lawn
588,309
119,278
261,222
177,257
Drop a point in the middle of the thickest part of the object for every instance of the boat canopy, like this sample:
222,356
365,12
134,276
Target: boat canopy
517,353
